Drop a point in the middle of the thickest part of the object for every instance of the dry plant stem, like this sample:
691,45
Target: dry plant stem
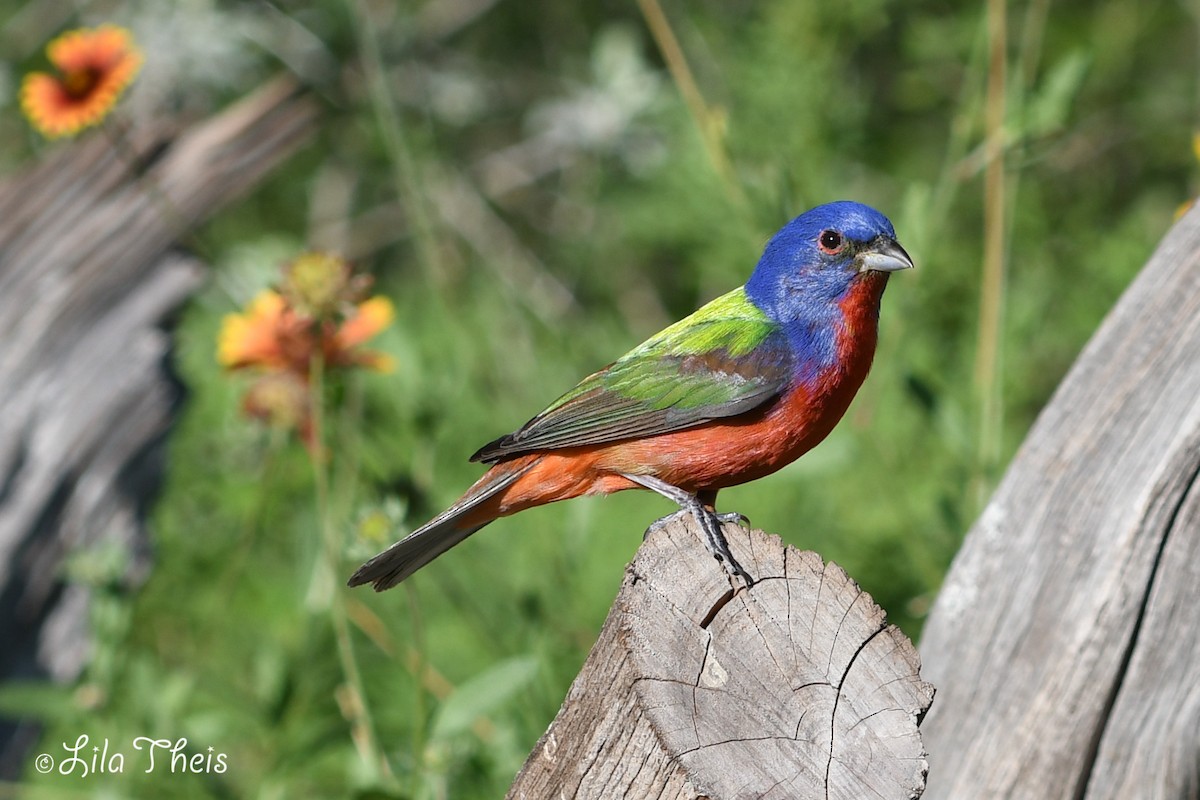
357,711
951,175
707,120
401,158
988,356
419,689
344,489
264,480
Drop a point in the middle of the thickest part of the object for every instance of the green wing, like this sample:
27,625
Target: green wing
722,361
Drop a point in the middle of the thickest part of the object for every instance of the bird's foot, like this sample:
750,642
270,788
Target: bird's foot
714,540
732,516
710,522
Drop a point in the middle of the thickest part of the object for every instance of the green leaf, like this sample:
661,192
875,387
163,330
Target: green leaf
481,695
1049,108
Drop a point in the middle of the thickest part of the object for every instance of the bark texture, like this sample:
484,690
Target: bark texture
1065,643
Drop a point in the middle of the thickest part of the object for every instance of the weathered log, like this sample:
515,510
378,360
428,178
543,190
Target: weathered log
1065,643
795,688
87,282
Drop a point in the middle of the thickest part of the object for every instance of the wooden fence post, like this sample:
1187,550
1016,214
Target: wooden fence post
88,279
796,688
1065,643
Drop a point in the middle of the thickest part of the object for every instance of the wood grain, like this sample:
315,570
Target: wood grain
1065,643
795,688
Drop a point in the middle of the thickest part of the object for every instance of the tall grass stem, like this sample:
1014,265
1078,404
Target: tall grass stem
709,121
355,706
989,352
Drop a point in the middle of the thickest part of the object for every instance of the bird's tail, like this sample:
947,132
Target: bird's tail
447,529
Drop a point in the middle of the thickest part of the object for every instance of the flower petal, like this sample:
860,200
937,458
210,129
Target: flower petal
252,338
371,317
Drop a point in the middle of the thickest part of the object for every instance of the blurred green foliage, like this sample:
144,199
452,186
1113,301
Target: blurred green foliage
526,183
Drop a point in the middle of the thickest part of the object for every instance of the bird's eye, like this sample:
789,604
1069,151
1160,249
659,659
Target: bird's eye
831,242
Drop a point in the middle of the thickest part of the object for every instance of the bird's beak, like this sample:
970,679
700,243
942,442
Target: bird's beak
884,254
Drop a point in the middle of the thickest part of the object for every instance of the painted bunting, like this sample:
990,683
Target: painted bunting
735,391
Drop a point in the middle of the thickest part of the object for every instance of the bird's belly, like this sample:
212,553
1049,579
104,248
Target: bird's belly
721,454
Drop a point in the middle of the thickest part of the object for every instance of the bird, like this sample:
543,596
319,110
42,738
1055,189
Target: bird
740,388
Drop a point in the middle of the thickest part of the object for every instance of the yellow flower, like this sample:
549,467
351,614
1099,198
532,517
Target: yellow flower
95,65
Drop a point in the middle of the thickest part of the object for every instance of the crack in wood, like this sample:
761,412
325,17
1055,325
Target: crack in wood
838,696
841,624
812,624
722,601
775,737
696,686
1189,485
787,588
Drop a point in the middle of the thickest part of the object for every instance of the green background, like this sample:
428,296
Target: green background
528,185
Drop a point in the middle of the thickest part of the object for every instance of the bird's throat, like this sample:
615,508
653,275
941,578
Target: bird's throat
860,305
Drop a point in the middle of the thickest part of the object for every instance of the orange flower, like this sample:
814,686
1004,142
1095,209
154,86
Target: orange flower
369,319
95,65
272,336
253,338
315,316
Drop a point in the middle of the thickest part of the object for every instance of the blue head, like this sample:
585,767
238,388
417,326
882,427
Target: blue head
816,263
808,267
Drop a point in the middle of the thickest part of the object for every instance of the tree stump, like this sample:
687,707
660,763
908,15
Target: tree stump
1065,643
698,687
87,283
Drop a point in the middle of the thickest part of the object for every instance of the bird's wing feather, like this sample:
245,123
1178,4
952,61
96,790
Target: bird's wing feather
724,360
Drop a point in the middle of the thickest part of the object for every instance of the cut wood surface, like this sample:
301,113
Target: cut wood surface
88,279
1065,643
795,688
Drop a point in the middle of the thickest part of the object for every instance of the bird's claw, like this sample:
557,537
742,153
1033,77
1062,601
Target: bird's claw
732,516
711,523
